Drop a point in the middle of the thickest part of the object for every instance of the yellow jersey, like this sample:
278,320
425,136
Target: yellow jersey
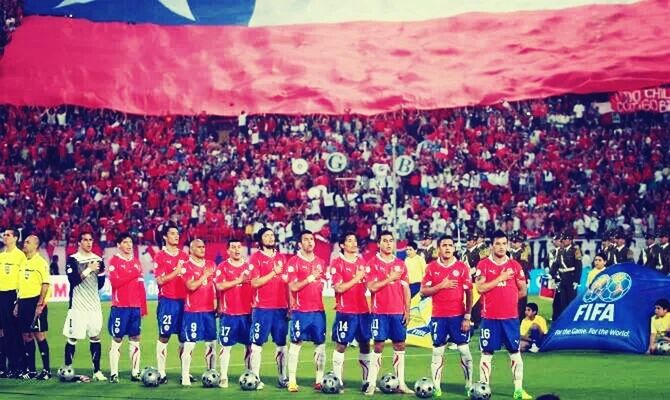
10,262
32,275
527,323
660,326
416,268
592,275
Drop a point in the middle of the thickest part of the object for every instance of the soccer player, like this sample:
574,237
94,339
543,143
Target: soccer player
660,325
448,282
234,289
501,282
125,317
31,308
269,279
352,319
308,318
86,273
387,281
199,320
11,260
171,295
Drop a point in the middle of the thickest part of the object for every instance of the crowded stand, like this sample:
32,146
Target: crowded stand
539,167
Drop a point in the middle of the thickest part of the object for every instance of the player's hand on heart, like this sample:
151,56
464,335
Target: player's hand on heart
360,273
506,275
395,275
277,269
448,283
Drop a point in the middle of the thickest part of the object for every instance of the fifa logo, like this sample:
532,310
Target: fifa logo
601,296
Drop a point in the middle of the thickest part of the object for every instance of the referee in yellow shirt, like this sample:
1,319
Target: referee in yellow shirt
31,308
11,259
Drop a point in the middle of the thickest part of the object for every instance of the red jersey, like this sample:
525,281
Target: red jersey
353,301
502,301
202,299
165,264
310,297
127,282
274,294
237,299
391,298
448,302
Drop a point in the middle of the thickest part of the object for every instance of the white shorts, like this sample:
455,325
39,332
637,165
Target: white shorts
82,324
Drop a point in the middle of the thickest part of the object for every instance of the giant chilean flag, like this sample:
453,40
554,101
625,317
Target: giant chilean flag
323,56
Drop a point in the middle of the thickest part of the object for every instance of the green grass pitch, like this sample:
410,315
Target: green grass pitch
572,375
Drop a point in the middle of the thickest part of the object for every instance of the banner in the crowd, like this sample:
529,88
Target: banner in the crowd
295,57
613,314
651,99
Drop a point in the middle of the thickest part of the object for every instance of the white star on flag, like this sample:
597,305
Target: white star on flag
179,7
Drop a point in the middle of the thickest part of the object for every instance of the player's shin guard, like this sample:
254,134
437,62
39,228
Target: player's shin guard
516,363
282,362
375,366
256,354
320,361
134,352
399,366
293,357
161,357
69,351
466,364
114,355
186,363
210,351
95,348
338,364
436,365
364,362
44,352
485,368
224,361
247,357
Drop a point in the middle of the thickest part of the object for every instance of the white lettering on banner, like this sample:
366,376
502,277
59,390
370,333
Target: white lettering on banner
336,162
593,332
651,99
404,165
595,312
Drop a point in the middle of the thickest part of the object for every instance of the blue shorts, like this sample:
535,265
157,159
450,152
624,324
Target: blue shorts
169,314
124,321
348,327
388,326
498,332
448,329
308,327
266,321
199,326
234,329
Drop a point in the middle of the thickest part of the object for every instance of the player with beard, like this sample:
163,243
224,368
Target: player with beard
269,279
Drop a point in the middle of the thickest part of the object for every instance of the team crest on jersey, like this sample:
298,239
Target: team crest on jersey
367,270
218,272
251,267
111,268
456,273
290,269
333,271
69,270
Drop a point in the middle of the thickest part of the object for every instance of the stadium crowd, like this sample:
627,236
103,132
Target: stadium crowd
10,17
534,166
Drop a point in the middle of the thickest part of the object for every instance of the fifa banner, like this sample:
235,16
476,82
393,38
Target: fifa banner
613,314
418,328
651,99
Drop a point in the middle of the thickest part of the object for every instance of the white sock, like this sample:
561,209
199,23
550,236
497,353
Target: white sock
485,368
338,364
186,362
210,351
114,355
375,366
256,353
134,351
161,357
466,364
399,366
224,360
516,362
320,361
436,365
293,357
247,357
282,362
364,362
